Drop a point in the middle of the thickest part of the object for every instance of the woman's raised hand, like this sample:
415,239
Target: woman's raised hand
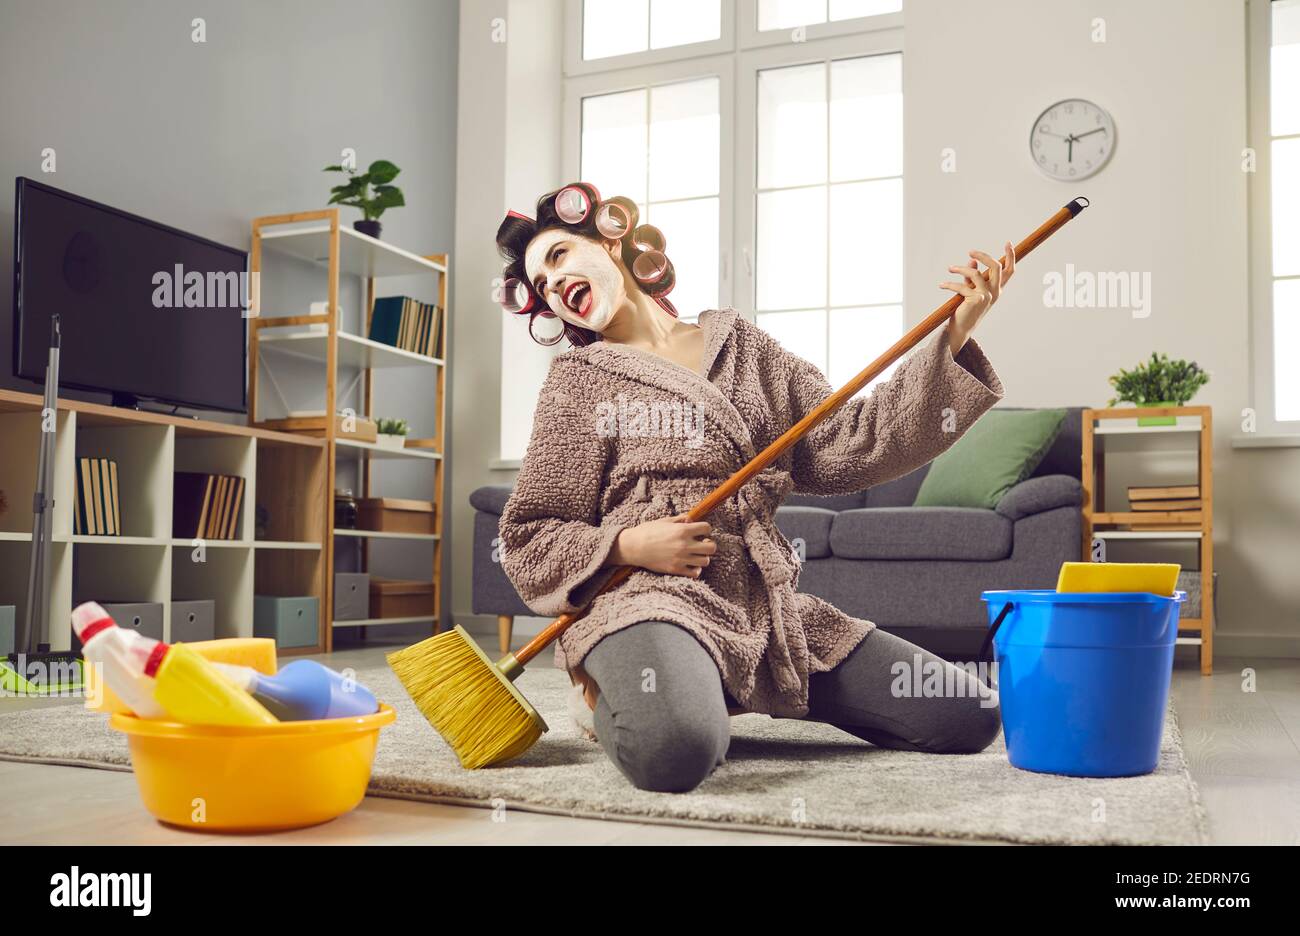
979,289
672,545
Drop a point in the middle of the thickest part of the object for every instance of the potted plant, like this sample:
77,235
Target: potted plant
1158,382
356,193
392,433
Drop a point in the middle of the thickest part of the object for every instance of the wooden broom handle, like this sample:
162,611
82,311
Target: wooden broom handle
805,425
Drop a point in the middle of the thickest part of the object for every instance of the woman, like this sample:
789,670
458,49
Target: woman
711,623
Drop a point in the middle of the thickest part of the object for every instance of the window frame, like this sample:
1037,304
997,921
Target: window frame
575,65
1260,185
875,42
721,67
748,35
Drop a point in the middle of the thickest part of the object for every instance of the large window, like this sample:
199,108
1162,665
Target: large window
829,210
1275,132
764,138
622,27
1284,145
660,146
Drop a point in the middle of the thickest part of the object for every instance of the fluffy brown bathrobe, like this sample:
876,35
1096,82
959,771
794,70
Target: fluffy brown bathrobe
616,442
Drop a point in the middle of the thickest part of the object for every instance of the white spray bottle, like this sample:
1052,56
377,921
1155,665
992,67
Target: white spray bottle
108,647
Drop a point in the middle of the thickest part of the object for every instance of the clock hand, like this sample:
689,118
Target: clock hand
1070,152
1090,133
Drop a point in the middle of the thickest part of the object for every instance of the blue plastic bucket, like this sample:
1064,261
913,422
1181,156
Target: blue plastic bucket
1083,678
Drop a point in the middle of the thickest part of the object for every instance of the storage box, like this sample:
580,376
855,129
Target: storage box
143,616
193,621
395,515
351,596
289,621
8,615
1189,580
362,429
395,598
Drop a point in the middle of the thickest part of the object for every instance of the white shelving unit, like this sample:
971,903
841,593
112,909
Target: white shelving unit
147,563
1103,523
319,237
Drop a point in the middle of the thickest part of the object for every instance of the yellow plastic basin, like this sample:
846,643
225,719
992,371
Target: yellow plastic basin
246,779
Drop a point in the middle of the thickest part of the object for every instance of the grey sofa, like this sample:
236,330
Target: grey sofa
915,571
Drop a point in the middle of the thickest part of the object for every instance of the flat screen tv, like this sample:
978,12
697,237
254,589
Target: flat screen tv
146,311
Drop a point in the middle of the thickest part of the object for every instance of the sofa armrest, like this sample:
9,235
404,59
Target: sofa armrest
490,498
1035,495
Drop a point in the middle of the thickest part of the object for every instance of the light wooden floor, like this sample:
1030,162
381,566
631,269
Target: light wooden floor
1243,749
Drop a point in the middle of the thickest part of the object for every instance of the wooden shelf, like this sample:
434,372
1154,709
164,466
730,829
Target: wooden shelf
322,238
360,254
373,450
353,350
1190,518
1147,534
380,534
371,622
1196,526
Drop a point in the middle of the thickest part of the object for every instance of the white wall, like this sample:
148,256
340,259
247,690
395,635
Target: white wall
508,153
1172,202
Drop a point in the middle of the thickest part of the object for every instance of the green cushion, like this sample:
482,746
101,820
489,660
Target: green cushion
998,452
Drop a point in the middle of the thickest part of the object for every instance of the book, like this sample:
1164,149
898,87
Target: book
206,506
191,494
1186,503
117,505
219,505
96,497
106,493
1138,492
435,345
385,320
232,531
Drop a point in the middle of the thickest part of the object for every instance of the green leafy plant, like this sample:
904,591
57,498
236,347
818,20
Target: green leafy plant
1158,380
392,427
356,191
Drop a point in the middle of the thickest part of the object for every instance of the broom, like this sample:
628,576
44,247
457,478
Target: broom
473,703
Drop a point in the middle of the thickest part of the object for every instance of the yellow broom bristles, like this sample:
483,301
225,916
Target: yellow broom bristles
467,699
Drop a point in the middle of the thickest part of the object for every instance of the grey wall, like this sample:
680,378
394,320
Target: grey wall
207,136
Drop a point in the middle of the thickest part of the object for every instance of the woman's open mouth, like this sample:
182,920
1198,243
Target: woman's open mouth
577,297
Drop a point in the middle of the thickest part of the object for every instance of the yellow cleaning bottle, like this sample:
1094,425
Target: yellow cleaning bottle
193,691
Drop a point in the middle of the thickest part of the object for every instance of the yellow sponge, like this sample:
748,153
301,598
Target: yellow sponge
1158,578
257,652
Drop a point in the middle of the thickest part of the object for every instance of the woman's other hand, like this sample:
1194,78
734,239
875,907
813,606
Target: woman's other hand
672,545
980,290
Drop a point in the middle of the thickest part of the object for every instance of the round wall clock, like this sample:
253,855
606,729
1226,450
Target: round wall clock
1071,139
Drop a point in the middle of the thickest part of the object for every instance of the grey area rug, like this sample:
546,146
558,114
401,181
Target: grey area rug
780,775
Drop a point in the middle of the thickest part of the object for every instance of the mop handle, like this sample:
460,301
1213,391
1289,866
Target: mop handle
806,424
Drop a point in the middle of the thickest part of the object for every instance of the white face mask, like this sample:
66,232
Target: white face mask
581,284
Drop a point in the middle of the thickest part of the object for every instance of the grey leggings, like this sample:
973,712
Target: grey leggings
661,715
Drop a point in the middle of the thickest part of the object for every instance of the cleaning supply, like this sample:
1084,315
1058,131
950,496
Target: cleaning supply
303,690
473,703
194,692
1157,578
252,778
255,652
1083,677
111,650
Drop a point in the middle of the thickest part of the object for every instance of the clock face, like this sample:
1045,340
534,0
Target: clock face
1072,139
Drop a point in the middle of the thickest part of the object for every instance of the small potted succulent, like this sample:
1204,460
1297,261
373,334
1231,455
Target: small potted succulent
391,433
356,193
1158,382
